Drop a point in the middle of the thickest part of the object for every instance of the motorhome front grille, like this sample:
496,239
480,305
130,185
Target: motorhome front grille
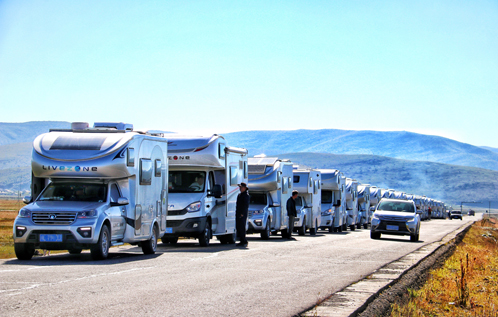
177,212
53,218
173,223
256,169
249,214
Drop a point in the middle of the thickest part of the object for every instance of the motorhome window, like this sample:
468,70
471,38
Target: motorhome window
246,170
315,187
130,157
396,206
72,142
74,192
186,181
158,168
290,183
296,179
258,199
114,193
221,150
145,171
327,196
233,176
285,187
220,179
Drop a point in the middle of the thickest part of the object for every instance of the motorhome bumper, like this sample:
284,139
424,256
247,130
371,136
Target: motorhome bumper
190,227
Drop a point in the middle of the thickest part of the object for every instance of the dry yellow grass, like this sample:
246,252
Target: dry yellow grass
8,213
467,284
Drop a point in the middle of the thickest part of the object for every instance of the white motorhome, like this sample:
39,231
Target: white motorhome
270,186
308,203
363,206
352,203
333,199
203,177
93,188
375,197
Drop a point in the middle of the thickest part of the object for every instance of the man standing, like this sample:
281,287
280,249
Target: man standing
291,212
241,214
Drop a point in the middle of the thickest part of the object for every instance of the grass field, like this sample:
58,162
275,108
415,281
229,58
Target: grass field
8,213
467,284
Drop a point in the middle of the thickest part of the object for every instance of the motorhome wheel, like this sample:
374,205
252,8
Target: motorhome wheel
24,251
331,228
352,227
358,226
284,233
313,230
344,227
150,246
340,228
265,235
365,226
204,238
100,251
302,231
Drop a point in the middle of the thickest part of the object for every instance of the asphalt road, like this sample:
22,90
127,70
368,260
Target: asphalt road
270,278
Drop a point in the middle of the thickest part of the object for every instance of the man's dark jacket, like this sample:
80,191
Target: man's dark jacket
242,204
291,207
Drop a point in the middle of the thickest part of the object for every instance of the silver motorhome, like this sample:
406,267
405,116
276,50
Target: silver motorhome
203,177
333,200
270,186
363,206
308,203
352,202
93,188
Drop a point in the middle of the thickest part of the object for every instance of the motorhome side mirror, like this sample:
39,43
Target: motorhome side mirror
275,205
216,191
123,201
338,203
26,199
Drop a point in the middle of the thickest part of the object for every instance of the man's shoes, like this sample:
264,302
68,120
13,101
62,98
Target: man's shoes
241,244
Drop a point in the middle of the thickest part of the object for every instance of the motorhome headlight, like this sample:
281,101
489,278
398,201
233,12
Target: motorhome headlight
258,212
25,213
326,212
193,207
87,214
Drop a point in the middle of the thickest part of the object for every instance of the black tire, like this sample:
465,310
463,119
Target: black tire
352,227
206,235
414,237
365,226
331,228
165,240
173,240
339,229
314,230
344,227
24,251
302,230
100,251
265,235
374,235
150,246
358,226
75,251
285,233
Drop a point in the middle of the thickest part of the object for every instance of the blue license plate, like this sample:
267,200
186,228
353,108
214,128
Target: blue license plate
389,227
169,230
50,237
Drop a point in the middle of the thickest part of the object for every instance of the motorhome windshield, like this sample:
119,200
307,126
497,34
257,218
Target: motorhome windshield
396,206
327,196
186,181
258,199
74,192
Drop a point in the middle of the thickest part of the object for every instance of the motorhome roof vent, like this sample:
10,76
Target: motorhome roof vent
114,125
79,125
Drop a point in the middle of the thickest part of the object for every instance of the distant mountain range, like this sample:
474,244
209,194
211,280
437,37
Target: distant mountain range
398,160
401,145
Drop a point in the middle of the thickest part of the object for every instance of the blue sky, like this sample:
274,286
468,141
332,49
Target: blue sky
221,66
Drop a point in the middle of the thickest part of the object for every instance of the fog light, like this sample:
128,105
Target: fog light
195,225
20,231
257,222
85,232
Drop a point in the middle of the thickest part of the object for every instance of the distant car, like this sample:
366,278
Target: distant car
396,217
456,214
472,213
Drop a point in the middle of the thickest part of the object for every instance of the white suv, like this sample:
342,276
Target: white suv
397,217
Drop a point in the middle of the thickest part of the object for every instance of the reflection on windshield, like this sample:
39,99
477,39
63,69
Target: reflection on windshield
186,181
74,192
327,196
258,199
396,206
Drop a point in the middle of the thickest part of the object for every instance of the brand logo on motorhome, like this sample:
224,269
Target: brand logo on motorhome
176,158
70,168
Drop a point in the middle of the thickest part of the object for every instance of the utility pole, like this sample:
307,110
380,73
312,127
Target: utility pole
469,202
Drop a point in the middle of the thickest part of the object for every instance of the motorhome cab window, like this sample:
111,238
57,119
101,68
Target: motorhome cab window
186,181
74,192
221,150
114,193
327,196
296,179
258,199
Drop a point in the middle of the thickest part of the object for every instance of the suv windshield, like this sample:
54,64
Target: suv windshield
396,206
74,192
186,181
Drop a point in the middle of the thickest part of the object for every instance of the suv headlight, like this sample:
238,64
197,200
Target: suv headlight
86,214
411,219
258,212
193,207
25,213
